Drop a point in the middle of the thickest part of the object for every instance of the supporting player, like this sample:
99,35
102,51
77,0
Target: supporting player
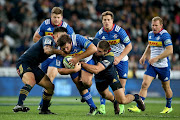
159,47
106,75
80,48
31,74
46,28
120,46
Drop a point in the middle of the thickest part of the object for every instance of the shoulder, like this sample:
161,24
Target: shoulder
47,22
64,24
117,28
111,54
100,31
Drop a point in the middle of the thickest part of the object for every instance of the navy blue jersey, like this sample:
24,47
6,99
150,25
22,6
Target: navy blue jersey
35,54
107,62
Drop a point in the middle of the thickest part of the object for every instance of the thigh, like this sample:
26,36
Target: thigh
122,68
45,82
119,94
29,78
86,76
52,72
163,73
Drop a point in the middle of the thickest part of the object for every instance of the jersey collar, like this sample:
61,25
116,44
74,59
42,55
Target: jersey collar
109,30
159,31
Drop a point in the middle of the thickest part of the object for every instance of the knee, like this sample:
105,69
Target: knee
144,85
121,101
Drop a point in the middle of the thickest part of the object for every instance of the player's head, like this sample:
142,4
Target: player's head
103,48
56,15
107,20
65,42
58,31
157,24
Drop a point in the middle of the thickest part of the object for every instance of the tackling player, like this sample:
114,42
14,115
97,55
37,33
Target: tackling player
120,46
46,28
159,48
31,74
80,48
106,75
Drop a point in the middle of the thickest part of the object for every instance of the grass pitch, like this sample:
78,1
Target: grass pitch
70,108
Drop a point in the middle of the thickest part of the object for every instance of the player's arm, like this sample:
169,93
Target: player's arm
65,71
145,54
36,37
93,68
168,51
49,50
126,50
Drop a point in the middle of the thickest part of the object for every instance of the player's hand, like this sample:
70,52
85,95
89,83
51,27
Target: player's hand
77,67
142,60
153,60
116,60
74,60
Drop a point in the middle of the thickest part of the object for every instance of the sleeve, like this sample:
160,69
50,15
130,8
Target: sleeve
124,38
70,30
83,42
166,39
48,40
59,61
97,35
107,61
95,41
41,28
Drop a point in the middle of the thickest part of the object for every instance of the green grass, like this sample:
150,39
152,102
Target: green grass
68,108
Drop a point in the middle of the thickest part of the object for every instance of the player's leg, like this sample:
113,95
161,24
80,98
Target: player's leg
102,107
164,76
83,89
122,68
28,79
47,94
143,92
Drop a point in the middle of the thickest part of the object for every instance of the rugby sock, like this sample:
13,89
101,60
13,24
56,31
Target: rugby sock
88,98
41,103
46,100
24,93
102,100
143,98
168,102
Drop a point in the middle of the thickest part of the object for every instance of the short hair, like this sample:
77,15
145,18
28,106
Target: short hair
57,10
158,18
103,44
59,29
108,13
63,39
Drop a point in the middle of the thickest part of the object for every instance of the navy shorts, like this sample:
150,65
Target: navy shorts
23,67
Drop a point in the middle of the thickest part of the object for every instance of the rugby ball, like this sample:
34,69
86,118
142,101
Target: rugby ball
66,62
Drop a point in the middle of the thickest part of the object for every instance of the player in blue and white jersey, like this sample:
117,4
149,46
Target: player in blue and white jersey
120,46
159,47
81,49
46,28
31,74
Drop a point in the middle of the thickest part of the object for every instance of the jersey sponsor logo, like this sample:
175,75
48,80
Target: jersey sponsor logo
58,62
74,54
47,41
155,43
106,62
158,38
115,36
103,38
149,37
49,33
168,41
113,42
126,40
49,29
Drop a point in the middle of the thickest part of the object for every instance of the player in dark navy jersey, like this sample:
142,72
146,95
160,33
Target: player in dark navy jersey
31,74
46,28
106,75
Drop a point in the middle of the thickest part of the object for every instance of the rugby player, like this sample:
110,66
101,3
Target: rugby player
159,48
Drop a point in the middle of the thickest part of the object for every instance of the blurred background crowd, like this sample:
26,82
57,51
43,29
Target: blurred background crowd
19,20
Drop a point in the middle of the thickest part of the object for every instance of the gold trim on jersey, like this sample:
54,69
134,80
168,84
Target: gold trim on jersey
110,54
74,54
155,43
49,33
114,42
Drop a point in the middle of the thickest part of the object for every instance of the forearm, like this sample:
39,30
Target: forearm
168,51
146,52
65,71
126,50
58,52
90,68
